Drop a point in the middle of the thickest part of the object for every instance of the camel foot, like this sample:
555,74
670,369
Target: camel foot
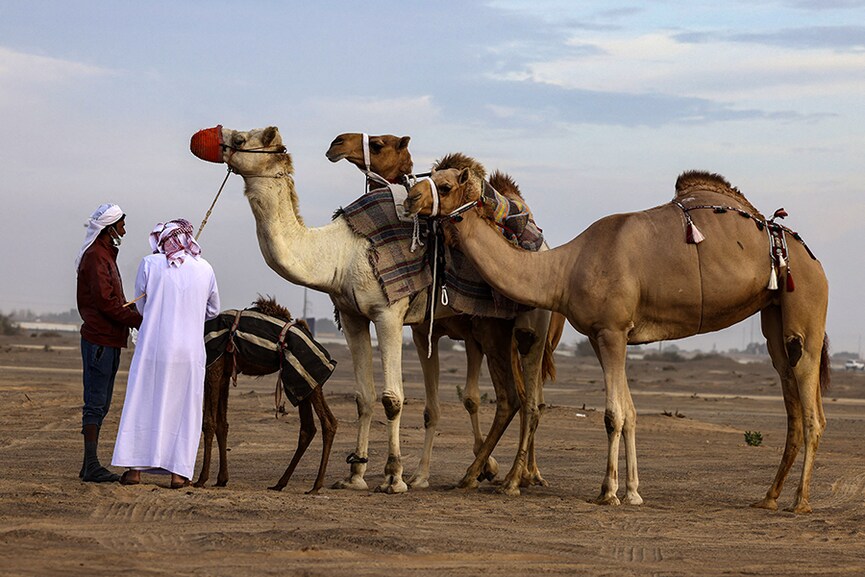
313,491
766,503
607,500
468,482
491,470
393,485
276,487
632,498
418,482
353,482
221,483
199,484
509,489
800,507
533,480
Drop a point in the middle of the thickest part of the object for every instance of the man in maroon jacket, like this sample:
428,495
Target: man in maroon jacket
105,328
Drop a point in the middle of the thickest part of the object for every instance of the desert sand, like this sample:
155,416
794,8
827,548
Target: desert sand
698,477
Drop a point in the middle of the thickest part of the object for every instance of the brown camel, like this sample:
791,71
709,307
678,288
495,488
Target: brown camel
388,156
633,278
216,380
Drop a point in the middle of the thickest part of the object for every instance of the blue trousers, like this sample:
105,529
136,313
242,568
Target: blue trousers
100,368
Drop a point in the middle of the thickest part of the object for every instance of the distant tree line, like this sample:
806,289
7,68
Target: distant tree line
27,315
7,326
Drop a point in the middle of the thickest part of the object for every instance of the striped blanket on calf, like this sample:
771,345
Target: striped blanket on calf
261,339
400,272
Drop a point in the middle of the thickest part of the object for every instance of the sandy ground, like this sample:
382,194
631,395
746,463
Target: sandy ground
697,474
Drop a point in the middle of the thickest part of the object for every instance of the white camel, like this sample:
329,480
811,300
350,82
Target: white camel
333,259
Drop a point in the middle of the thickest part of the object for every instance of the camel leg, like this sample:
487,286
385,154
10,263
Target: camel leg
538,323
496,344
213,375
307,433
222,429
356,330
472,403
770,320
430,368
807,374
527,376
619,416
389,332
329,426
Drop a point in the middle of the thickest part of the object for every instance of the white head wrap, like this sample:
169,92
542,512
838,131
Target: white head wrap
105,215
175,240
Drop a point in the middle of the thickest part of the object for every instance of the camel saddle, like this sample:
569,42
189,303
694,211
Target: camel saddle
304,363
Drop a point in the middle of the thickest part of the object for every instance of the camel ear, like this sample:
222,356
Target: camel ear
270,133
403,142
464,176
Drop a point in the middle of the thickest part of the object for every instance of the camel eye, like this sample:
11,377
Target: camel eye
375,146
444,189
238,140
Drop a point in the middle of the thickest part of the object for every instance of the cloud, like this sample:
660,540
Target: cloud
19,67
732,75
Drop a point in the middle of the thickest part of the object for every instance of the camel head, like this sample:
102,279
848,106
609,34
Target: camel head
258,152
388,155
458,180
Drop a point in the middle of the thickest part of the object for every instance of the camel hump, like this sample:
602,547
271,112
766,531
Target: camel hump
701,179
504,184
694,181
459,161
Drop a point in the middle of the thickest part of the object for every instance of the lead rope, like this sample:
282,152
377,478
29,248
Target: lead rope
209,210
432,305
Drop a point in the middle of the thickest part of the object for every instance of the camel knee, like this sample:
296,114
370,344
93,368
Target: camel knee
613,422
430,418
794,350
526,338
471,404
392,406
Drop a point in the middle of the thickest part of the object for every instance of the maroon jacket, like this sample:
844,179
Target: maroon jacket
100,297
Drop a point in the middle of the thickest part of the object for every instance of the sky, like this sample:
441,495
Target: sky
593,107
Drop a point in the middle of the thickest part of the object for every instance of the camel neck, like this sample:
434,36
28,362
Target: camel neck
532,278
297,253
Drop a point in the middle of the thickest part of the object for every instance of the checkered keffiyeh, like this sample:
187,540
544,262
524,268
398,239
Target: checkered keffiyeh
175,239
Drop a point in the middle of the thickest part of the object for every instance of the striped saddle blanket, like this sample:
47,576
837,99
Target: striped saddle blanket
400,271
265,341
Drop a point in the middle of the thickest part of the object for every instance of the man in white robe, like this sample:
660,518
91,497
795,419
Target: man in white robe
160,424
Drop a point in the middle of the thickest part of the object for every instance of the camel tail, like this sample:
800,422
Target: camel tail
517,369
825,372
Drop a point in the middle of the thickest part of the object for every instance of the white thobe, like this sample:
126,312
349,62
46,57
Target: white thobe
160,424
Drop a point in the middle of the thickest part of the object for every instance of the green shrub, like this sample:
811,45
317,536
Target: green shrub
753,438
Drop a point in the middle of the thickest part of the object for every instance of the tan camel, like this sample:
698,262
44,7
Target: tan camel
333,259
632,278
216,384
388,156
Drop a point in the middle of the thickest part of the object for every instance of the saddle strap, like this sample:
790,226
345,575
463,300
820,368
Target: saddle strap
231,347
280,349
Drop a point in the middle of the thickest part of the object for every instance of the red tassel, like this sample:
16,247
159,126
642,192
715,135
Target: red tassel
693,234
791,286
